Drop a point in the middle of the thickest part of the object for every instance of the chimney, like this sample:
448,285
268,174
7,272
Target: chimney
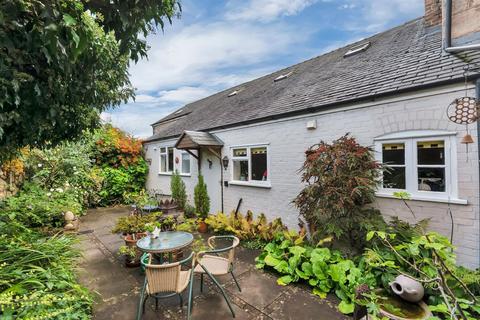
433,12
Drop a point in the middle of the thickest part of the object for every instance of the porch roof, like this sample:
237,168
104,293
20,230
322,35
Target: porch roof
197,139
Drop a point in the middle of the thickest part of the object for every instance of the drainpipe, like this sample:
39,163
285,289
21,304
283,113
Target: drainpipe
477,96
447,27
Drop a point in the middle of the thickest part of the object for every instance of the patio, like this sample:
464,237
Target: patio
103,271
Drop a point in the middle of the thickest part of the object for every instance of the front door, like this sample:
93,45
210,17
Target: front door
210,166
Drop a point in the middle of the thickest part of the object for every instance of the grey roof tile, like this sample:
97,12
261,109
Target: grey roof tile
402,58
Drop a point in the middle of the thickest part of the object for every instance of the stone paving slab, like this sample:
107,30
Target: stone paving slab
118,288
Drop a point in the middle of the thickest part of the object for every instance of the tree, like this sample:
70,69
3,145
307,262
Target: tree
341,179
63,62
201,199
177,187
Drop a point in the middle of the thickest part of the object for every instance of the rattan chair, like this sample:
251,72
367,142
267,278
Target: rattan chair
212,264
166,280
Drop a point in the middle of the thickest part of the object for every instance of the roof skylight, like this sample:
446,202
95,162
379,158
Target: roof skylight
179,111
282,76
233,93
356,49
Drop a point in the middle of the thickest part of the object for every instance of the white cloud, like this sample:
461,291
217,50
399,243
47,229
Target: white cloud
199,53
266,10
184,95
376,15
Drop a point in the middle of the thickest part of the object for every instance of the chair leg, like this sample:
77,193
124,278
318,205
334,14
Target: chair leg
156,303
144,303
201,282
236,282
221,289
181,300
190,298
141,303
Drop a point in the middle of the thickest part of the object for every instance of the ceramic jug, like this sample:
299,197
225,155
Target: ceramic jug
407,288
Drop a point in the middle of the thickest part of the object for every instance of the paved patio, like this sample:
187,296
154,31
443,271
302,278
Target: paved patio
102,270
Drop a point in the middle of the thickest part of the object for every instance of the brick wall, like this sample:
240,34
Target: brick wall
288,139
433,12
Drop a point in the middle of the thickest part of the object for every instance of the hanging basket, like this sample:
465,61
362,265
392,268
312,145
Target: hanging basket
463,110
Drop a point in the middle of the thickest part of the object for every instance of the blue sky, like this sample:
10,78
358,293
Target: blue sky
218,44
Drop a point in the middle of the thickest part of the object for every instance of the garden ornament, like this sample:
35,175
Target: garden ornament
70,220
407,288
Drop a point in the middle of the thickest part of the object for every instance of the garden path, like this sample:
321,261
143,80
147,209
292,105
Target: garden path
102,270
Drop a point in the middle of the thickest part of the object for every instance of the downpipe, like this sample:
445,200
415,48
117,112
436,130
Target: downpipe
447,28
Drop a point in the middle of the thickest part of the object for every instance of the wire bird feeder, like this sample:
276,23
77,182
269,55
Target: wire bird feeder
464,110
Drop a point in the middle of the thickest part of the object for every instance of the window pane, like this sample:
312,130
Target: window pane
393,153
185,163
240,170
170,159
394,178
162,150
163,163
259,163
240,152
431,179
431,152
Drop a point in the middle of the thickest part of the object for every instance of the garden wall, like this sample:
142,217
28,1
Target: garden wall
289,138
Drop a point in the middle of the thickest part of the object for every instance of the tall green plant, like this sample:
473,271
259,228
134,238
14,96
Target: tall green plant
341,179
177,187
201,199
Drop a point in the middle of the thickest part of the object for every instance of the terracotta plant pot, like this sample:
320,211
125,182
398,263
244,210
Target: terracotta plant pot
132,242
202,227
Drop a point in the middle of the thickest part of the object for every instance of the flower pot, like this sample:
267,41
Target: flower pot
131,241
202,227
132,263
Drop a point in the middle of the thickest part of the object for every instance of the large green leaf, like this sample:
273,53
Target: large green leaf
285,280
346,308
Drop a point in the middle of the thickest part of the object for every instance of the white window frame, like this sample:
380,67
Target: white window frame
187,174
410,140
250,182
169,170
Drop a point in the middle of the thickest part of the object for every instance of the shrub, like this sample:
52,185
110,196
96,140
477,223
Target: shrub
201,199
37,279
341,179
177,187
36,207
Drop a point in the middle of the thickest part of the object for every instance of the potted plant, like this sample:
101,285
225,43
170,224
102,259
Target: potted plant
132,256
202,203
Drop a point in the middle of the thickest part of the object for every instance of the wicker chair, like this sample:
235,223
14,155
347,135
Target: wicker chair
166,280
212,264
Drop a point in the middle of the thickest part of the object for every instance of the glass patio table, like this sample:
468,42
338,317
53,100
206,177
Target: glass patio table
167,241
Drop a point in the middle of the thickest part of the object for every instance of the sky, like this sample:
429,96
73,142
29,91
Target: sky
218,44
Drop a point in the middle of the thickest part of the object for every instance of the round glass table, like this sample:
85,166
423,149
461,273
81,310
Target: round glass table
167,241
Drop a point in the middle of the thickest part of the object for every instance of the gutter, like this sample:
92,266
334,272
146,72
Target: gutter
447,27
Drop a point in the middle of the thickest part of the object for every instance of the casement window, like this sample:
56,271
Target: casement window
422,162
250,165
166,160
185,163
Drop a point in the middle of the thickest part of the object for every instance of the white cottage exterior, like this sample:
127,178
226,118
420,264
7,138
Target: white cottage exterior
262,140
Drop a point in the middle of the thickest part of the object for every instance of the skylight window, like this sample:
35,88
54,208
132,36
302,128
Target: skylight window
233,93
283,76
179,111
356,49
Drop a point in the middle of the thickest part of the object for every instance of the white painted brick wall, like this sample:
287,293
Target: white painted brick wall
288,139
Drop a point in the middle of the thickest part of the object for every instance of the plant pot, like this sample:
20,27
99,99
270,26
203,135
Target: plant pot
132,242
202,227
132,263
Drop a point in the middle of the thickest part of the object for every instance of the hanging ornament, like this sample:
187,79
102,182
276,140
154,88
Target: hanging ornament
463,110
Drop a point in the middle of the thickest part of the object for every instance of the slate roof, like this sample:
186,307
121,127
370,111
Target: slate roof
196,139
401,59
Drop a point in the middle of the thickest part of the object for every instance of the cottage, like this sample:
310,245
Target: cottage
390,91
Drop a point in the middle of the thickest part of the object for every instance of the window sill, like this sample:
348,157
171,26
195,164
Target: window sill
188,175
265,185
165,173
425,198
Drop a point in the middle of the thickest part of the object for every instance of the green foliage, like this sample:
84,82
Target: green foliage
201,199
177,187
36,207
134,224
189,211
64,63
324,269
37,279
245,227
341,179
